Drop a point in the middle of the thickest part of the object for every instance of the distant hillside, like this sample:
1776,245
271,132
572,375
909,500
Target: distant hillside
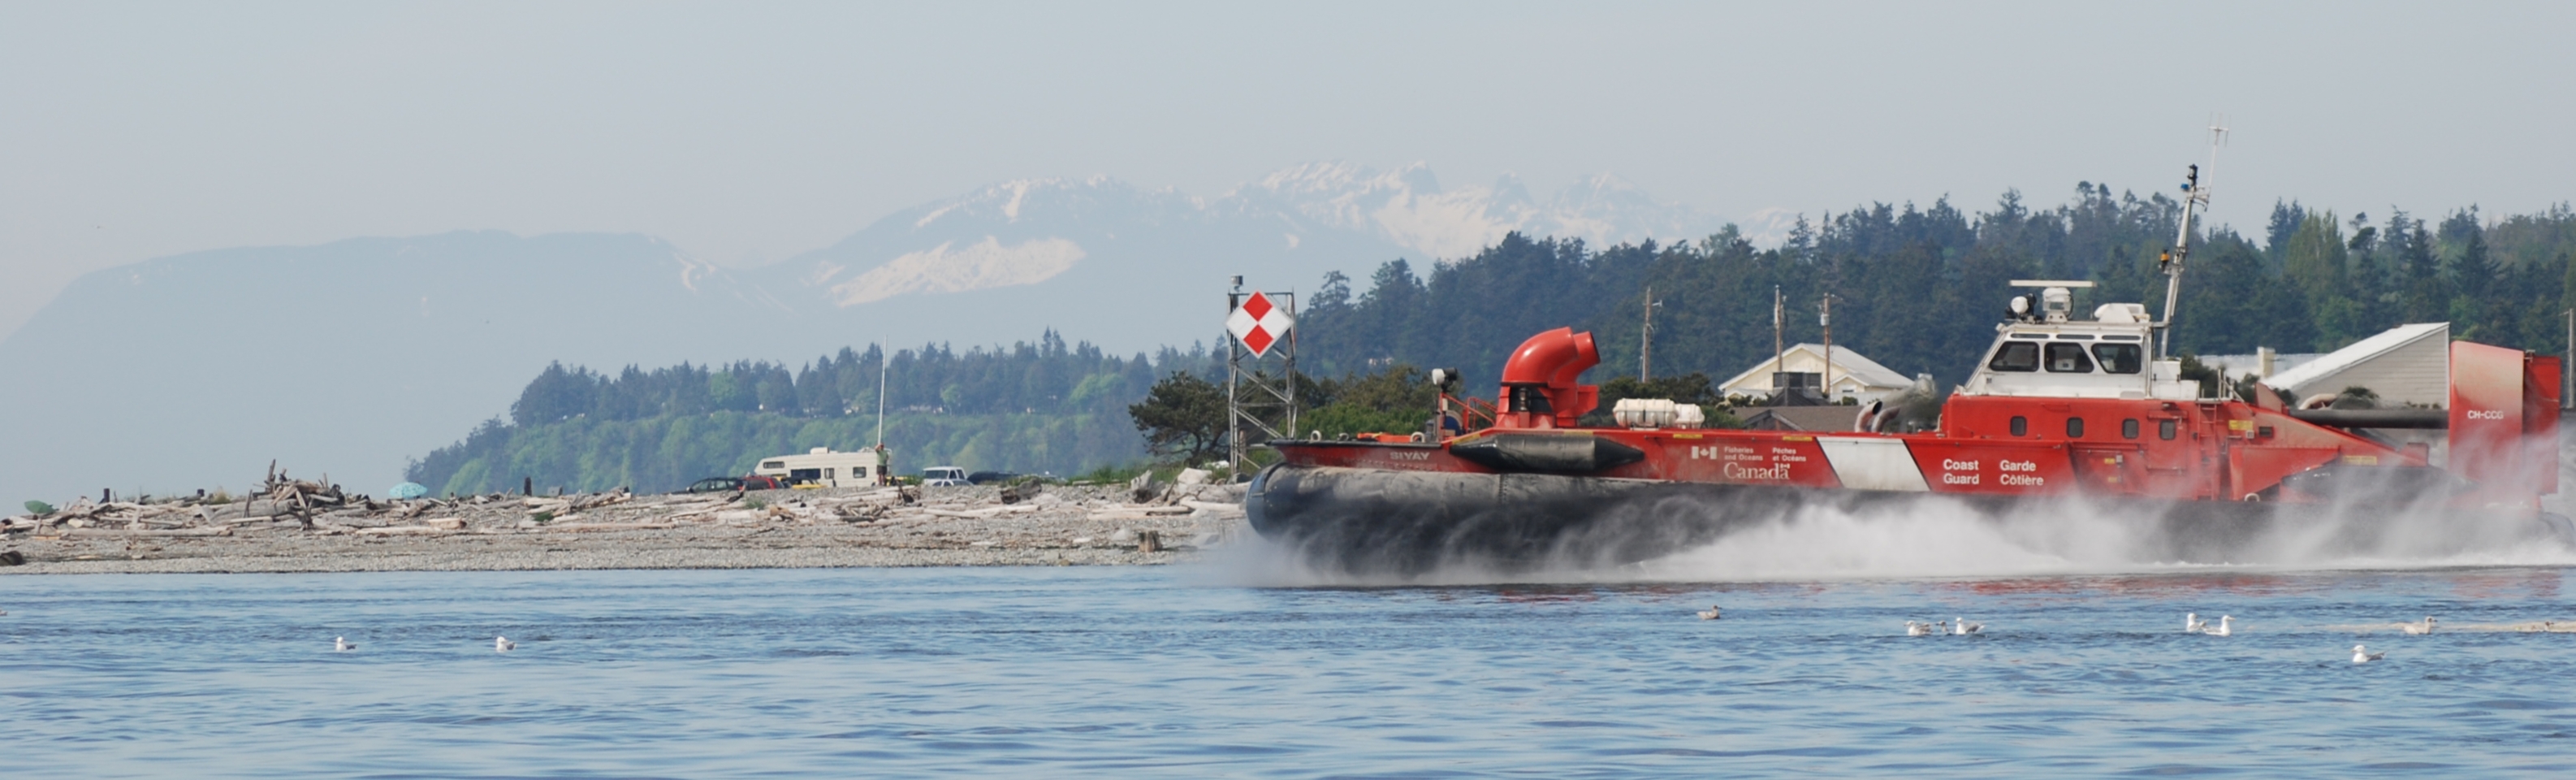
196,370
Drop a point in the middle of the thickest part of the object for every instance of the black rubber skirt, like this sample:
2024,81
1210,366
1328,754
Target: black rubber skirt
1368,521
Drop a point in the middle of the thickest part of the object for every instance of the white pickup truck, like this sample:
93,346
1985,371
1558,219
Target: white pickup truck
943,475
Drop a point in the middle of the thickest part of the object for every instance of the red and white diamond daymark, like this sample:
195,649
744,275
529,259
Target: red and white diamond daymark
1258,323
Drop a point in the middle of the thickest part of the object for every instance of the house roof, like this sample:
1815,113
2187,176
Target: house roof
1846,364
2360,352
1803,418
2240,365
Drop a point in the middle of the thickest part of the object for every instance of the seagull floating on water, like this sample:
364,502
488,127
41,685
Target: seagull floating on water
2419,629
341,644
1709,614
2222,629
2192,624
502,644
1921,629
2361,657
1962,626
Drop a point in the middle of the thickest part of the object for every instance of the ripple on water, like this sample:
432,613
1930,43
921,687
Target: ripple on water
1051,671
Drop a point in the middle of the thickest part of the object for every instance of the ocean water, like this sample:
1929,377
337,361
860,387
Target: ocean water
1207,670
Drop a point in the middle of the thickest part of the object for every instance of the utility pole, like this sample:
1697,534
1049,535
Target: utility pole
2567,366
1826,318
1646,338
1776,327
1778,317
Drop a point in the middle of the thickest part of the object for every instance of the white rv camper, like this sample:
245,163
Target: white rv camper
823,468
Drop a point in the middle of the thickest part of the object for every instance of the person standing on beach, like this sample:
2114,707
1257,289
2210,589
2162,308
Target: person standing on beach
884,474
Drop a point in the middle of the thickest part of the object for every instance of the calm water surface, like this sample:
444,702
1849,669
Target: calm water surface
1175,672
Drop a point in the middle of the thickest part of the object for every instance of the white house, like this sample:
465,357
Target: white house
1853,376
2405,365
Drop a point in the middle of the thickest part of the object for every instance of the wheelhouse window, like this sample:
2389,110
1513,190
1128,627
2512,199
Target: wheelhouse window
2019,356
2165,429
2020,426
2129,428
2075,427
2119,358
2068,359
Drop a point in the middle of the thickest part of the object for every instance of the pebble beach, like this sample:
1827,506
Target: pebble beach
884,527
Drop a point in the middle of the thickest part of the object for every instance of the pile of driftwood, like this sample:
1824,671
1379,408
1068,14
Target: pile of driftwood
285,505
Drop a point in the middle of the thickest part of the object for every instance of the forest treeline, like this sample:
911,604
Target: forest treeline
1918,289
1047,406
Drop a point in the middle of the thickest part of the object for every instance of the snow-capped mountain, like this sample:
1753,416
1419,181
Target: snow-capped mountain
1409,208
1048,252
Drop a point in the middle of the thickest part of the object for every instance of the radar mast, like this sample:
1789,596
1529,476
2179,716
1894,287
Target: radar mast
2194,195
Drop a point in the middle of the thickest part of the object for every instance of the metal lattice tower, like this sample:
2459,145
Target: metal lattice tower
1261,370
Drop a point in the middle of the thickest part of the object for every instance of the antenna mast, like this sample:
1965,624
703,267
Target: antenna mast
882,359
2194,194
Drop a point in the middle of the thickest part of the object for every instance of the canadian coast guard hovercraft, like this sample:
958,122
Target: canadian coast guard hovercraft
2063,415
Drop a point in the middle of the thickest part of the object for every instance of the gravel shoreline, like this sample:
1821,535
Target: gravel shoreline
968,526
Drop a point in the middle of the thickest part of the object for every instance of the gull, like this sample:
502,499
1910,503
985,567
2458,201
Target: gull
2362,657
1709,614
1921,629
341,644
2419,629
1962,626
2222,629
2192,624
502,644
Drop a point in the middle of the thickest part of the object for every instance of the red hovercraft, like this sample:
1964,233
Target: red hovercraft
2063,415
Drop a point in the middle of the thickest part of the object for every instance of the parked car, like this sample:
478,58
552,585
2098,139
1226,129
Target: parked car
936,476
733,484
990,477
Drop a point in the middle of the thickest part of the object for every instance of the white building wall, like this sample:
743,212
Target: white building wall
1845,382
2418,373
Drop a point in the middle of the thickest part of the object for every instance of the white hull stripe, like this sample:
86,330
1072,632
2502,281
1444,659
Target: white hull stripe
1872,463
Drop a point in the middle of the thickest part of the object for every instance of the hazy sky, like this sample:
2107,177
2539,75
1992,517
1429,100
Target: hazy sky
753,132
